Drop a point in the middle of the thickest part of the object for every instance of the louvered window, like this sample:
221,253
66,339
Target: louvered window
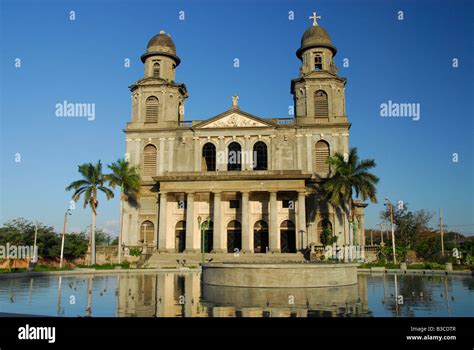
149,160
321,165
151,113
156,70
320,104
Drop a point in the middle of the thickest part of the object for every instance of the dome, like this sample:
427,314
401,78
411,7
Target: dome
161,44
315,36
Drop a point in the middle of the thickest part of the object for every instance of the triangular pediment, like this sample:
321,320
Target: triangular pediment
234,118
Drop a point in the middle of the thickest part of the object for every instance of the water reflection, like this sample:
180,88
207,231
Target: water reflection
182,295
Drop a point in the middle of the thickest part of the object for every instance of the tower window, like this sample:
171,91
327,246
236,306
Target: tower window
149,160
156,70
320,104
321,165
234,204
318,62
151,112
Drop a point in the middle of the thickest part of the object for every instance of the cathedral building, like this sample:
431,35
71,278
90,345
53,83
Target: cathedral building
249,184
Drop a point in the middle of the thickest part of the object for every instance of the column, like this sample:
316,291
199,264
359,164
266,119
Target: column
162,233
161,156
302,220
247,237
309,152
273,224
197,152
219,241
170,154
190,246
221,155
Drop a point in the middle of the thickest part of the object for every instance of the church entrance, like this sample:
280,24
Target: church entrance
234,236
180,236
288,237
260,237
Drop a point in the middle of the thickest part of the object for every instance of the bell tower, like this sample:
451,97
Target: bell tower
157,100
318,93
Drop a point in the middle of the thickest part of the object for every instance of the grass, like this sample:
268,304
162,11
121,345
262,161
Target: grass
11,270
46,268
426,266
124,265
379,264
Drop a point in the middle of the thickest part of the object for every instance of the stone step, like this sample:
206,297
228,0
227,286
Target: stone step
171,259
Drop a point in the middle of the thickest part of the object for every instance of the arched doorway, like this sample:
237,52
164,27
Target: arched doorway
208,238
180,236
147,232
260,237
234,236
288,237
324,225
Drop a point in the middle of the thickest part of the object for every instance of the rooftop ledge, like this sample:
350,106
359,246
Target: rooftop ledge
233,175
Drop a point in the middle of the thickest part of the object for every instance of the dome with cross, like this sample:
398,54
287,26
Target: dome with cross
161,44
315,36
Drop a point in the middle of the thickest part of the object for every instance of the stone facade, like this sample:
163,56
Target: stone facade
255,181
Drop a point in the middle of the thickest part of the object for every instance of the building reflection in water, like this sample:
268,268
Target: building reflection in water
182,295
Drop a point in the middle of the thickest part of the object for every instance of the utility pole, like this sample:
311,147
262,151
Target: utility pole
441,230
35,248
381,233
393,230
68,212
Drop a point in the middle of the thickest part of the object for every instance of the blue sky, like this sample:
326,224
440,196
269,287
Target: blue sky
406,61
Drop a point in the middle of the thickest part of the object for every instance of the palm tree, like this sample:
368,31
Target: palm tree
349,175
128,178
92,181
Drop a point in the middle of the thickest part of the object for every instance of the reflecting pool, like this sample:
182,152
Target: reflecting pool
169,294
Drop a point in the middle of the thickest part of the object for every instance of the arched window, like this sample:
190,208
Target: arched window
156,70
234,160
321,165
149,160
320,104
151,112
260,160
147,232
209,157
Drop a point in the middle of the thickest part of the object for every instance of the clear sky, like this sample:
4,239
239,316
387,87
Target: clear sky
406,61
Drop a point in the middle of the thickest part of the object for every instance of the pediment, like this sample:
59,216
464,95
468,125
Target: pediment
234,119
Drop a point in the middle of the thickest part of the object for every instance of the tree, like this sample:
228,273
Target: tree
128,178
75,245
93,180
349,176
409,228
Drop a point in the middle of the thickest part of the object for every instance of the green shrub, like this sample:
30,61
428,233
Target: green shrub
135,251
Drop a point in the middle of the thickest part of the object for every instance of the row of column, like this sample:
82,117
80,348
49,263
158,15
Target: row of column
193,241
